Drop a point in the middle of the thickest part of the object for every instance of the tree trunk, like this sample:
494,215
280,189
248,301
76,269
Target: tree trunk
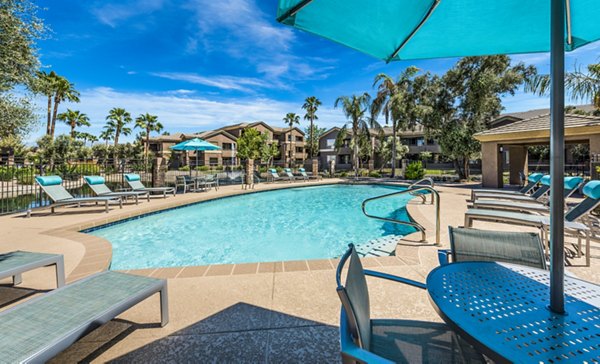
72,130
49,115
312,141
393,149
116,164
250,172
54,113
466,167
146,146
355,157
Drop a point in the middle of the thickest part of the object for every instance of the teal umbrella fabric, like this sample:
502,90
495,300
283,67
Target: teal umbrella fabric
195,144
393,30
414,29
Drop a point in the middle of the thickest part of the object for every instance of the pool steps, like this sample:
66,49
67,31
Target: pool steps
380,247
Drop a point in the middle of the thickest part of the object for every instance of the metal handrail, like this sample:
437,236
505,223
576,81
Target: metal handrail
416,225
418,183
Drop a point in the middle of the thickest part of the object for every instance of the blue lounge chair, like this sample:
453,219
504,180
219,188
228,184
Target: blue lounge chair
538,195
37,330
52,186
134,181
98,185
274,176
307,176
364,340
15,263
289,174
532,181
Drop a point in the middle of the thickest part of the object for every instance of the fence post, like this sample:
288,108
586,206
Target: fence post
315,166
158,173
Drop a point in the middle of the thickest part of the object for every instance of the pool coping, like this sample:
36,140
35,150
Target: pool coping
98,251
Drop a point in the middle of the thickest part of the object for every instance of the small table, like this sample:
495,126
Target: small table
502,310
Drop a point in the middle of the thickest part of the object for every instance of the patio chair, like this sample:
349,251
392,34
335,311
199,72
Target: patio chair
576,223
495,246
289,174
15,263
274,176
209,181
307,176
571,185
52,186
99,187
365,340
134,181
532,181
37,330
538,195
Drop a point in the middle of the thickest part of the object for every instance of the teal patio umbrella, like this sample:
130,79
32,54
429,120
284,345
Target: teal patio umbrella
393,30
195,144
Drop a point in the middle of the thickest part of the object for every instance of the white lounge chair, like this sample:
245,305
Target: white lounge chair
99,187
532,181
274,176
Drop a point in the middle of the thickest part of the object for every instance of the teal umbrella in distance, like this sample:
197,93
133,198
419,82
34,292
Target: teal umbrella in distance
195,144
393,30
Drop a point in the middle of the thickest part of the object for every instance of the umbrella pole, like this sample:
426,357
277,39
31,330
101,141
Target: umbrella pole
557,147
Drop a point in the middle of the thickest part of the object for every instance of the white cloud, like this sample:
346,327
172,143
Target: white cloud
113,14
245,84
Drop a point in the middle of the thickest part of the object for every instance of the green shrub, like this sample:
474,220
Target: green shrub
414,171
279,169
184,169
86,170
344,174
218,168
25,176
202,168
7,173
375,174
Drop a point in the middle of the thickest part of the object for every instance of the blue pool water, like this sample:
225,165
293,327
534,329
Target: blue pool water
291,224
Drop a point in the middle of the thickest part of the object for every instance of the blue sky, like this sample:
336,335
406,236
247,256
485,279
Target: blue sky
201,64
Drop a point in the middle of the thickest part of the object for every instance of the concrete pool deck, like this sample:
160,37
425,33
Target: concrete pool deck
271,312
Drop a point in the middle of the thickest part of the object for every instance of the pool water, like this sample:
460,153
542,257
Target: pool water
289,224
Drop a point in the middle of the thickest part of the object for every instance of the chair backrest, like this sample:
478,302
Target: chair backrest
571,185
544,188
134,181
532,181
273,172
97,184
355,298
302,171
288,171
52,185
497,246
591,191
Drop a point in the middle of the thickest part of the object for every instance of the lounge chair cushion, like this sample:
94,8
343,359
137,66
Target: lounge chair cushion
572,182
301,170
545,180
94,180
132,177
592,189
48,180
535,177
287,170
272,170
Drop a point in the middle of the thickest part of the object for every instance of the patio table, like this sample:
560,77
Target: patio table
503,311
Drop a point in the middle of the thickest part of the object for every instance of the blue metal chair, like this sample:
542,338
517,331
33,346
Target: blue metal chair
365,340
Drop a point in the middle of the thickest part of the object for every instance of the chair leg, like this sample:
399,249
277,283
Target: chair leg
587,249
60,273
17,279
164,306
106,206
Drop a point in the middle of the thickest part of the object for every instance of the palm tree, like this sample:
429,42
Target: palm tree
291,119
63,91
107,134
581,84
311,104
44,85
74,119
118,118
148,123
355,109
392,101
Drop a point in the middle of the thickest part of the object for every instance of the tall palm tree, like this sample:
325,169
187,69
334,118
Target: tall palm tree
107,134
63,91
392,100
291,119
44,85
148,123
311,104
355,108
581,84
74,119
117,120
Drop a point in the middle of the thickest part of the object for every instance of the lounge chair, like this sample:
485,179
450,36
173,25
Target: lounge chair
289,174
15,263
571,185
99,187
575,219
365,340
307,176
134,181
538,195
208,181
495,246
274,176
532,182
52,186
37,330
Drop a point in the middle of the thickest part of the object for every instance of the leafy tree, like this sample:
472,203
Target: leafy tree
17,116
465,100
314,135
386,148
582,84
107,134
117,121
86,137
148,123
63,91
74,119
43,84
250,146
291,119
269,152
400,102
311,105
355,108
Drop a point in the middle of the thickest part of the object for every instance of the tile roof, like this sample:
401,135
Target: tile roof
542,122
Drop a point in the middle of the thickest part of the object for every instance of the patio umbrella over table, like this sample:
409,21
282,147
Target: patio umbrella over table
409,29
195,144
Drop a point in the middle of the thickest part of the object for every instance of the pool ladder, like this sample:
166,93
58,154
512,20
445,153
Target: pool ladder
413,189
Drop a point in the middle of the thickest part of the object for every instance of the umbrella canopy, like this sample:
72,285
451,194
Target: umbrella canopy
195,144
409,29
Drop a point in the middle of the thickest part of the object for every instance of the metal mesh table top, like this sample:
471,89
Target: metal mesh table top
503,309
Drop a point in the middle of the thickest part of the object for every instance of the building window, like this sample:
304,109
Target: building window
299,139
346,143
330,143
289,137
227,146
330,158
344,159
420,142
299,150
213,161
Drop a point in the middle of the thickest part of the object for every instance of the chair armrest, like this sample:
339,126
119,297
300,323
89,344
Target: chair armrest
364,356
444,256
395,278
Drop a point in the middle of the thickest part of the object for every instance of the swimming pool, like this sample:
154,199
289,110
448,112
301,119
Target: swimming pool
288,224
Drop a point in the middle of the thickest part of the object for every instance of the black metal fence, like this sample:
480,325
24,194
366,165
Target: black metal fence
19,192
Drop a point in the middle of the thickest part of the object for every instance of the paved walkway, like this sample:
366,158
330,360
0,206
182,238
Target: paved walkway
247,313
